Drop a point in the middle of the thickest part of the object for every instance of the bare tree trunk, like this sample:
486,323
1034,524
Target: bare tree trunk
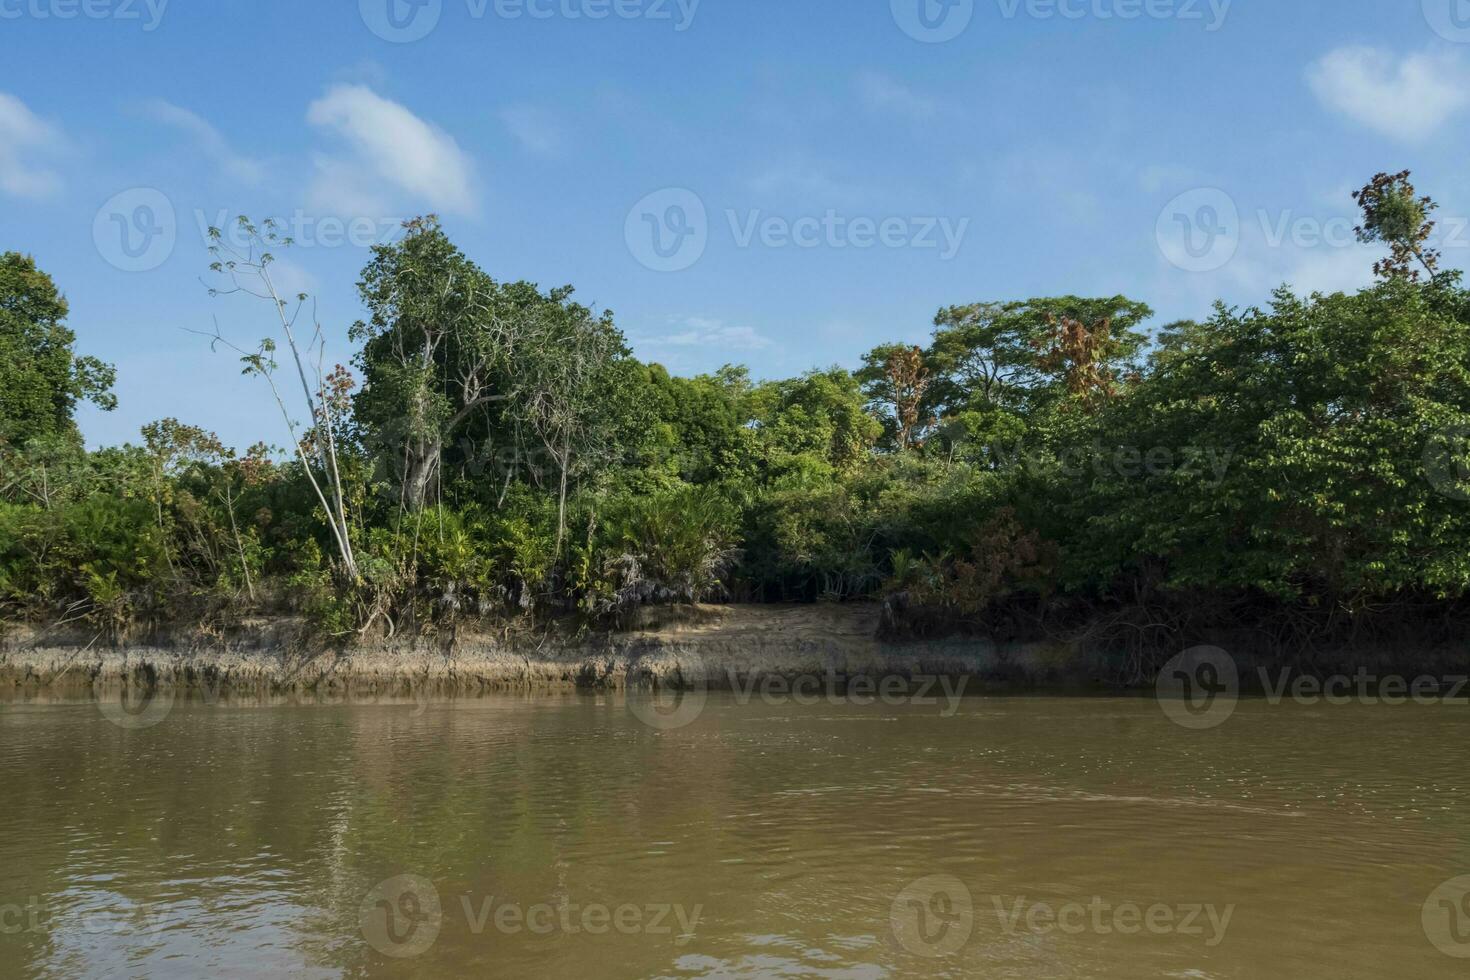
328,446
239,546
510,472
561,506
420,469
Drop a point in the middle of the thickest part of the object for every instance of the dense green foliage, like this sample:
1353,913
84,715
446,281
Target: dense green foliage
41,378
1041,464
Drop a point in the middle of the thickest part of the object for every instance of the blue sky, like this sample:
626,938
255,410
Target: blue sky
822,175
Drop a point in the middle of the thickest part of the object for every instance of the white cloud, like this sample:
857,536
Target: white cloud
535,129
389,148
23,135
341,188
1408,98
235,165
707,332
1333,270
1260,267
798,180
884,94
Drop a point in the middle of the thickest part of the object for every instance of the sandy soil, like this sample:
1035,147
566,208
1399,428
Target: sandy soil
714,646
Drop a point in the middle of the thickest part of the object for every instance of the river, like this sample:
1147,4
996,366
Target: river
824,835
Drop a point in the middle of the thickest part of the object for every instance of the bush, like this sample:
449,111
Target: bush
101,559
673,546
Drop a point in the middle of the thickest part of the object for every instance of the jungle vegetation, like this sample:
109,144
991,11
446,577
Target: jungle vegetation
494,452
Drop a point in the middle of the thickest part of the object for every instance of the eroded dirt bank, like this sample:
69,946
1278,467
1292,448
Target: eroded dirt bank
718,647
714,646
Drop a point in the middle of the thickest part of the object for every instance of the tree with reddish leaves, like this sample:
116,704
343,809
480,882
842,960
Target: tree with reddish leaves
1077,352
910,379
896,379
1395,215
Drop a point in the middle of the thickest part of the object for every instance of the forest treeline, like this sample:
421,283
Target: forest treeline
494,451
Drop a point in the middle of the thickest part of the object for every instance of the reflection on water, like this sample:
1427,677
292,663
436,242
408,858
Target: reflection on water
560,836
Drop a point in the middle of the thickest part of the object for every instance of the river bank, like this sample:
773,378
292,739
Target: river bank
715,647
705,646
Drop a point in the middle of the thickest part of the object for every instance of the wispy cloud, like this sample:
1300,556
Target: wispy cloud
881,93
291,279
234,165
1262,264
1332,270
798,179
708,332
535,129
1156,177
1073,183
387,147
1407,98
23,137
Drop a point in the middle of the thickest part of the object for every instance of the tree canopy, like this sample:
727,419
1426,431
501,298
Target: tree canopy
42,378
1037,466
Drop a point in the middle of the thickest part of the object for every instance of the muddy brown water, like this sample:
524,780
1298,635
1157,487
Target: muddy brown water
566,836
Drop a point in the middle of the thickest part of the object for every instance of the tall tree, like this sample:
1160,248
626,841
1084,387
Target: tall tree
988,355
896,380
568,387
1077,352
816,423
1395,215
42,378
436,345
248,270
